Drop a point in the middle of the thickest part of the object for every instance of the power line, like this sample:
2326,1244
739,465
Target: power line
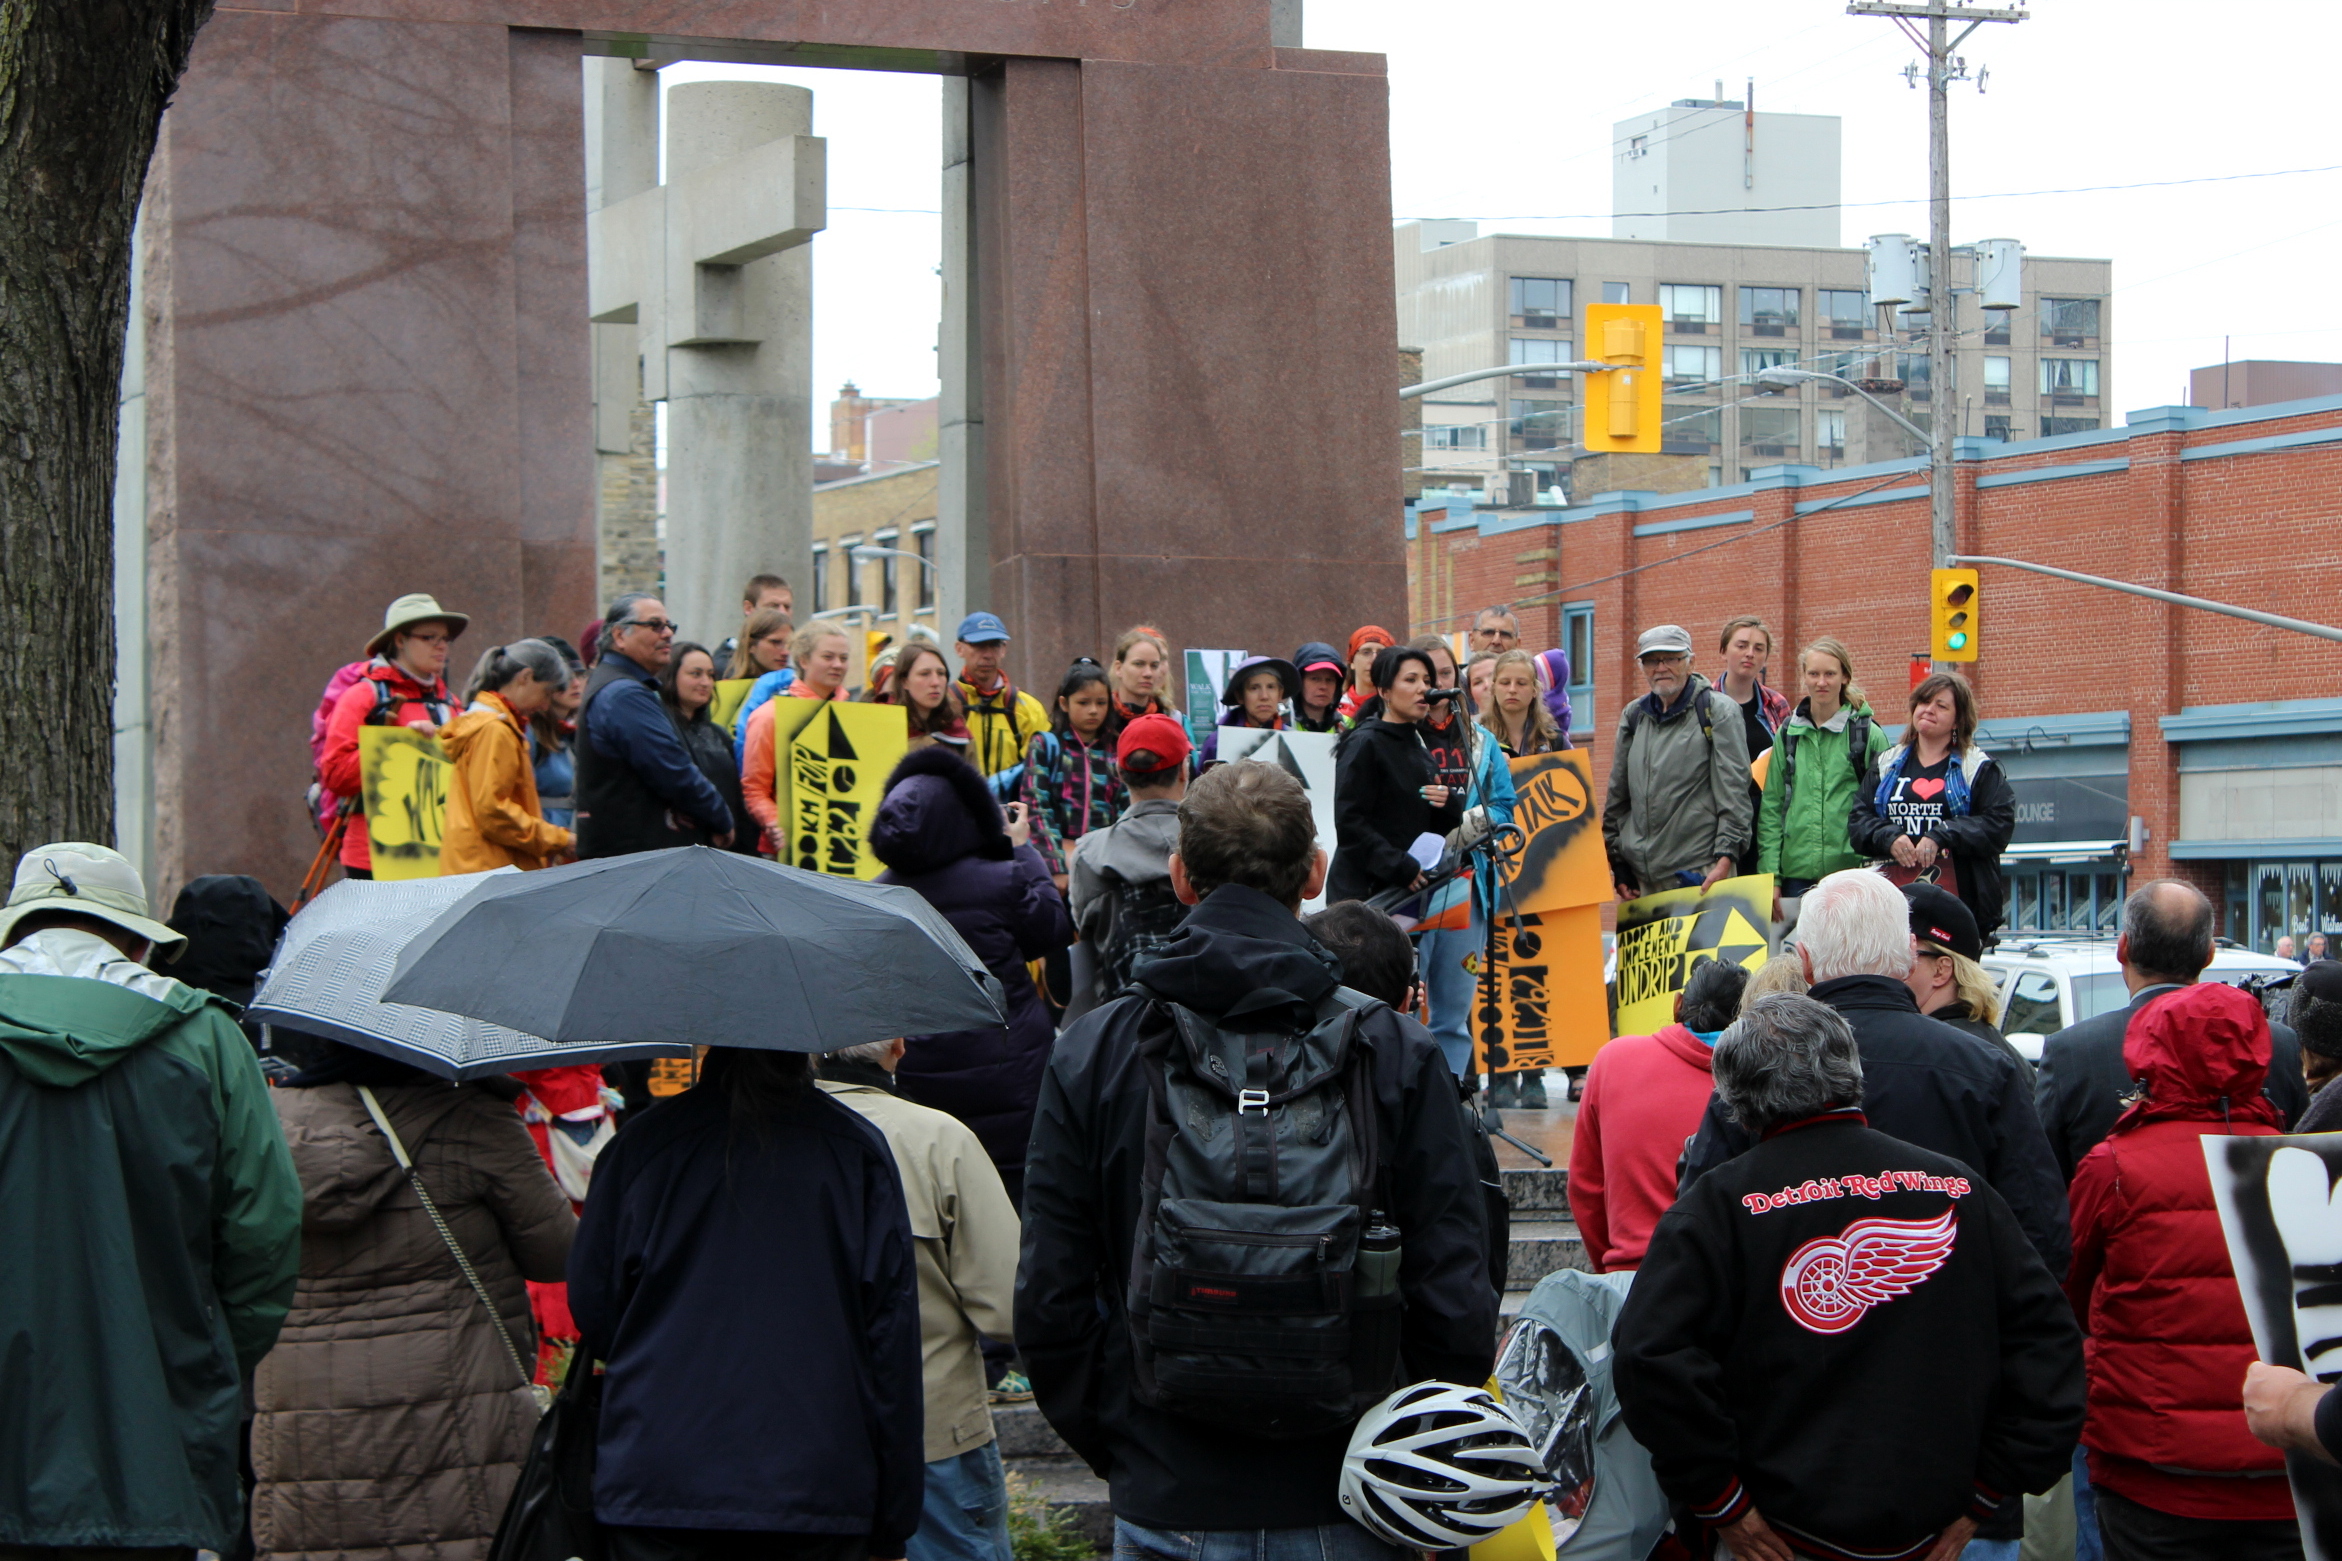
2003,195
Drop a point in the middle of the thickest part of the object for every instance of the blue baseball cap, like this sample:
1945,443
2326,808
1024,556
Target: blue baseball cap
981,628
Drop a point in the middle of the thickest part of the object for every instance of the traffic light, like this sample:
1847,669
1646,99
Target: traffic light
1951,609
1622,405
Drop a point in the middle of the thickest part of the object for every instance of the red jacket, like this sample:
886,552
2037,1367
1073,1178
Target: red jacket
338,769
2151,1283
1644,1096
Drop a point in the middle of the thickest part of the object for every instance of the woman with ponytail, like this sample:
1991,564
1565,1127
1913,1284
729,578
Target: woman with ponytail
1819,758
494,818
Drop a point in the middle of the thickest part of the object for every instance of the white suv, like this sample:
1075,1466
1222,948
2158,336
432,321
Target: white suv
2050,980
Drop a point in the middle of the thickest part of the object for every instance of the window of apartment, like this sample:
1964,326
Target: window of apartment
1690,309
1996,327
2070,322
1577,642
1996,381
846,546
1540,303
1537,425
1846,313
923,544
1829,432
2051,427
1457,436
1913,369
1687,428
889,576
1997,426
1617,293
821,577
1770,311
1537,349
1755,360
1770,431
1691,365
2069,376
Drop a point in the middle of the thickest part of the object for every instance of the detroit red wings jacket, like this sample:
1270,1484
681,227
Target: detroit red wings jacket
1853,1335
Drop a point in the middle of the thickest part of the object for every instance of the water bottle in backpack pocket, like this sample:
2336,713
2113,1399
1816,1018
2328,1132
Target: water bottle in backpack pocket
1264,1286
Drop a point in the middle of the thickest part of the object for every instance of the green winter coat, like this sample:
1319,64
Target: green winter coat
150,1221
1810,786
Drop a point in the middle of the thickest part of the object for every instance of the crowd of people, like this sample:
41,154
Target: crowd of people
1219,1184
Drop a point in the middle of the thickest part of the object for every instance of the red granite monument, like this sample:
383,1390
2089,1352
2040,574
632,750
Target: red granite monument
368,360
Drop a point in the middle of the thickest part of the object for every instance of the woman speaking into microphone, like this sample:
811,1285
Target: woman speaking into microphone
1386,791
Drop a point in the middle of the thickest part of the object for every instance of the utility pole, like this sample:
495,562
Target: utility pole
1938,44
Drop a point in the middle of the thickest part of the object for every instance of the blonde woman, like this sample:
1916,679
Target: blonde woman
1821,756
1512,709
823,654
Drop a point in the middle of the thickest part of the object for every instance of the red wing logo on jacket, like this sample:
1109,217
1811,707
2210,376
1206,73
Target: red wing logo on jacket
1828,1283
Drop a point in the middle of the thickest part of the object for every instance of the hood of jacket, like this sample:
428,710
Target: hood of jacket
71,1006
403,684
231,923
1137,849
936,810
1240,952
345,1163
2200,1054
477,723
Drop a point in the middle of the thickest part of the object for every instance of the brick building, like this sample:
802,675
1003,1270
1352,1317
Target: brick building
2220,738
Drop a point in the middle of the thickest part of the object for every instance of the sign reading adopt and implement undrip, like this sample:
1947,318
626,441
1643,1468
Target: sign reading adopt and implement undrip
831,764
403,778
1661,936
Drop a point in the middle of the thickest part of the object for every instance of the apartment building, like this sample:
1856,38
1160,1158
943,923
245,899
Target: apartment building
1731,311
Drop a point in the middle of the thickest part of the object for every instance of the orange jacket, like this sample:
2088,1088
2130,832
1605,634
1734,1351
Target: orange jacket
493,819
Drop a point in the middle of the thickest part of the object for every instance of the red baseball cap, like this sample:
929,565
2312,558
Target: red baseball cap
1159,735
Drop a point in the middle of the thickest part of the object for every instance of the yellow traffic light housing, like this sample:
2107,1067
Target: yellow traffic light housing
1622,404
1952,614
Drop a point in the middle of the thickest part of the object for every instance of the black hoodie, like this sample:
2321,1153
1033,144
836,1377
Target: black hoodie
1379,775
1081,1212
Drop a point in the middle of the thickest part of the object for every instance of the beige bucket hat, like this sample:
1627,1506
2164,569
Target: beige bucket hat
413,608
88,880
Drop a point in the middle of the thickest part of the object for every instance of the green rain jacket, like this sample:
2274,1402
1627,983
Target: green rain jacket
1810,785
150,1222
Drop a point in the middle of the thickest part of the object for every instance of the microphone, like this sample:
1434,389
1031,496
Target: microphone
1435,694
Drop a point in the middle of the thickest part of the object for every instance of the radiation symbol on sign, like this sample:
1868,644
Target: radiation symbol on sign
1727,934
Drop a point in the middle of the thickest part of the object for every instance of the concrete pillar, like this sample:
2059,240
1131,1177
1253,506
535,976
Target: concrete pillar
739,412
963,533
622,161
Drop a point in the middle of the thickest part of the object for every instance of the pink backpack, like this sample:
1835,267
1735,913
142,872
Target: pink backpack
322,802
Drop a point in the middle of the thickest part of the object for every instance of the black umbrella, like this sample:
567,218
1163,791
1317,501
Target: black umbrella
704,947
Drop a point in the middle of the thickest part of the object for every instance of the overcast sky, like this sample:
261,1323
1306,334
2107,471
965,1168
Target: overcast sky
1501,110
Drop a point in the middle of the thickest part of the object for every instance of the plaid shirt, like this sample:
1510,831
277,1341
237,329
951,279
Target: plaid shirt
1069,788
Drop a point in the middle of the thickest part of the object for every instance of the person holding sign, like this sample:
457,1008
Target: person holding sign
823,656
493,817
1677,816
1386,796
405,685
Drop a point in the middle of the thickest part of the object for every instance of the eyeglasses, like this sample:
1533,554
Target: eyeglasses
441,638
655,625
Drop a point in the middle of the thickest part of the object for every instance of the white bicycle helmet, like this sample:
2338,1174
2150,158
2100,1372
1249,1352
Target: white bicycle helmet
1439,1467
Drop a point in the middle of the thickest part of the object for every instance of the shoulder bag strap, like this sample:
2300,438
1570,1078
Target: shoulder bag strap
398,1152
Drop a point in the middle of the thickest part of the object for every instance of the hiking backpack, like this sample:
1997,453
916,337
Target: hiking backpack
1145,916
1264,1275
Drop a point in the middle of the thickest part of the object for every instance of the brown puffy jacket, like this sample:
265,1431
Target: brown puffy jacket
390,1419
493,816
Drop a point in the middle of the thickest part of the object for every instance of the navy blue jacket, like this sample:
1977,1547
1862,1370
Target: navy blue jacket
755,1297
939,831
1942,1089
626,722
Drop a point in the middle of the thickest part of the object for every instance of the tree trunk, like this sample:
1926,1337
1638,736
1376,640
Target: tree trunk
82,89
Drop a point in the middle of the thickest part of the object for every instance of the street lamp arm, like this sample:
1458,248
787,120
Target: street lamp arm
1410,392
871,552
1783,375
2249,615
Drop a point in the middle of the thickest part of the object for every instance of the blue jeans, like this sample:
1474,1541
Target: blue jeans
1333,1542
966,1515
1452,989
2087,1545
1990,1550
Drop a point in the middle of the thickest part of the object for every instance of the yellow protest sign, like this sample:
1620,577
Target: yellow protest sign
839,758
1661,936
404,778
731,694
1563,862
1546,1007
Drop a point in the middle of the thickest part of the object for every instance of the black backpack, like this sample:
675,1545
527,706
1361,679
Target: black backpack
1145,916
1264,1274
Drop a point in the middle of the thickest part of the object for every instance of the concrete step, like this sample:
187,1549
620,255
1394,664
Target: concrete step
1025,1433
1540,1247
1533,1190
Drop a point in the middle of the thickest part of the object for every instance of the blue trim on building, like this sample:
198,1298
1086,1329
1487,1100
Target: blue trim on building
2084,729
2269,718
2060,473
1660,528
2253,850
2262,446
